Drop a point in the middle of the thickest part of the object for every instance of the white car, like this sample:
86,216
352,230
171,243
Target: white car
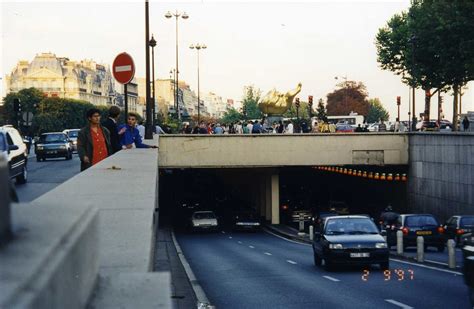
13,147
72,135
373,127
204,220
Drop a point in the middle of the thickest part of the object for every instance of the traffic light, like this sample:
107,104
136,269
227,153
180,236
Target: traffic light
399,100
310,100
441,100
297,103
16,105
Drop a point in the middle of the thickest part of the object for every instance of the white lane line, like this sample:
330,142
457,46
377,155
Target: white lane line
291,262
399,304
267,253
251,247
436,262
295,242
429,267
223,232
239,242
230,237
331,278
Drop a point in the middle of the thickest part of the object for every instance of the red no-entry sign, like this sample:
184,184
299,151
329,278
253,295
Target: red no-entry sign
123,68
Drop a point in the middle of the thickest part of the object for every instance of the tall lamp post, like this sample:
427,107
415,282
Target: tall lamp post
183,16
412,40
152,45
148,124
198,47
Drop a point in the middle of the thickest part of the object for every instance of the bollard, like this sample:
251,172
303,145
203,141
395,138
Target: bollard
311,232
5,227
399,242
385,238
420,249
451,253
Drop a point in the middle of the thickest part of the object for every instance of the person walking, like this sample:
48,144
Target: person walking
257,128
129,134
289,127
382,126
141,129
111,125
250,126
281,127
465,123
93,141
218,129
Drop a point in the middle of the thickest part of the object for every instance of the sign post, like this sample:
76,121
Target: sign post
123,69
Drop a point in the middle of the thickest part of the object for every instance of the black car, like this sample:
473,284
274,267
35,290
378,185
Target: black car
468,265
53,145
456,226
245,221
349,240
14,149
414,225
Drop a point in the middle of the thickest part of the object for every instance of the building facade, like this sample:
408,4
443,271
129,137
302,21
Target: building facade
60,77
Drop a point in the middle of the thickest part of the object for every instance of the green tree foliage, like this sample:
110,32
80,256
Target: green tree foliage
303,111
250,102
350,97
29,98
321,112
376,111
231,116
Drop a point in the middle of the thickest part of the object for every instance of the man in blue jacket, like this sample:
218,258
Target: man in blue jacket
130,135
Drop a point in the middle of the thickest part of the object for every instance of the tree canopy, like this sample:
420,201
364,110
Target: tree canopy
376,111
350,97
250,102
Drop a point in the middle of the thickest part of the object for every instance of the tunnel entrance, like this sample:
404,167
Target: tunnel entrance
226,191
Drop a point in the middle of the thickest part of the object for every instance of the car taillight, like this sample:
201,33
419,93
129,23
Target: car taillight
440,230
405,231
459,231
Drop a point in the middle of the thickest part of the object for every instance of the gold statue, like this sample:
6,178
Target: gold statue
275,103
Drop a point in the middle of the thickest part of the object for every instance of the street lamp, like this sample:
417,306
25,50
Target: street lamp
412,40
152,45
183,16
198,47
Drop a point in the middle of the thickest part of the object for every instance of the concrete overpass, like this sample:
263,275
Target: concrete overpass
268,150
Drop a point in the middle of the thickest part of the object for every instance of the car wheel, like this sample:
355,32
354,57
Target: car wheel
385,265
441,248
317,260
23,177
326,264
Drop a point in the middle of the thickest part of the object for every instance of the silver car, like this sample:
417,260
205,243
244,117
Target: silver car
204,220
72,134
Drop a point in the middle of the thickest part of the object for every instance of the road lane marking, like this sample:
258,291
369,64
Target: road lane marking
429,267
239,242
295,242
251,247
230,237
291,262
331,278
441,263
223,232
267,253
399,304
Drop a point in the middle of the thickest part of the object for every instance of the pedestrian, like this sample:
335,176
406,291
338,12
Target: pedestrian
93,141
382,126
397,125
238,128
203,128
195,129
465,123
257,128
159,130
358,129
250,126
129,134
281,127
304,127
289,127
141,129
218,129
111,125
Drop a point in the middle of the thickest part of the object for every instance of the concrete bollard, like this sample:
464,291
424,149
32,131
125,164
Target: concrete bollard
5,225
420,249
451,253
399,242
311,232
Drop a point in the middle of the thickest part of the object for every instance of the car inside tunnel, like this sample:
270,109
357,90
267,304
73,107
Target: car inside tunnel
228,192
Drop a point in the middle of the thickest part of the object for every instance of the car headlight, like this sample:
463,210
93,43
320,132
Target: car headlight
195,224
381,245
74,142
335,246
62,147
214,223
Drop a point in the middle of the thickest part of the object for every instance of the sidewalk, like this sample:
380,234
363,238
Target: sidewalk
166,259
410,254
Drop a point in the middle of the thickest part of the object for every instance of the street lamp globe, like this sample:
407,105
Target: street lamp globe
185,16
191,46
168,14
152,41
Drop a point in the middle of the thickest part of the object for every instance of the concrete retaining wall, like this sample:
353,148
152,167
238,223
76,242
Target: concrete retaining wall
441,176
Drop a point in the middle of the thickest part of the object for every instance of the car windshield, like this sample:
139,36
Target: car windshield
467,221
73,133
204,215
245,215
52,138
420,221
350,226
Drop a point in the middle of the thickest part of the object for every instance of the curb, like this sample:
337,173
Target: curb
392,255
203,301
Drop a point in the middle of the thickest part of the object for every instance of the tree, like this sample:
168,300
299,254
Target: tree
376,111
29,99
321,112
250,101
303,111
350,97
231,116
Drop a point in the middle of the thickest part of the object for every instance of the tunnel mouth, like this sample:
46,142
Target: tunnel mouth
228,192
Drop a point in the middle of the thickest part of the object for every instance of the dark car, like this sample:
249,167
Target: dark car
349,240
53,145
414,225
468,265
14,149
456,226
246,221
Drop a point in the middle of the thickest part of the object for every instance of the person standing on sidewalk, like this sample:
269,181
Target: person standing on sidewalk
129,134
111,125
93,141
465,123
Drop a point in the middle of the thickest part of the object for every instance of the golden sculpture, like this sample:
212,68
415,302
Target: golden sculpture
275,103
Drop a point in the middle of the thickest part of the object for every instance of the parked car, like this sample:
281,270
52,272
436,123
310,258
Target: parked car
53,145
14,149
72,135
468,264
344,128
431,125
414,225
373,127
456,226
349,240
246,221
204,220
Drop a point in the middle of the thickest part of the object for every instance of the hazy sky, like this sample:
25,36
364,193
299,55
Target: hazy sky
266,43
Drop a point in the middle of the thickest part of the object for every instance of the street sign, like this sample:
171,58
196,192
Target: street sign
123,68
27,118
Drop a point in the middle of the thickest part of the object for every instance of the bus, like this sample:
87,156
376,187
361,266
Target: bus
353,119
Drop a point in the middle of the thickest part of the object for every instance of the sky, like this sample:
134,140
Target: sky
262,43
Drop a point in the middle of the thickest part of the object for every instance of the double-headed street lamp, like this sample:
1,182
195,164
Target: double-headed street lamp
183,16
152,44
198,47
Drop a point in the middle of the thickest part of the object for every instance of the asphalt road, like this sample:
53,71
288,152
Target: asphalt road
240,270
45,176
